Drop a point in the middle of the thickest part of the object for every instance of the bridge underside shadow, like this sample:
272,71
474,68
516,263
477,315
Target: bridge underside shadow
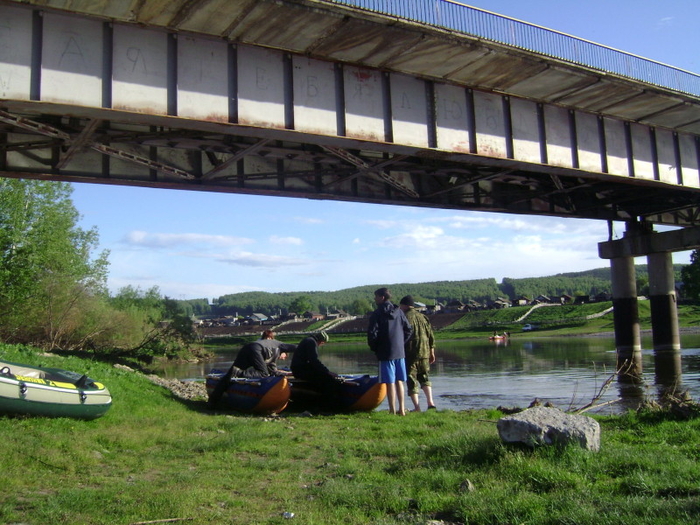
108,147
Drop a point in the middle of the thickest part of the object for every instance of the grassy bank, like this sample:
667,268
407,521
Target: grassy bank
154,457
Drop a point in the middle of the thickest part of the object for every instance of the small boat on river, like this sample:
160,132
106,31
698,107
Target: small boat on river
51,392
264,395
358,393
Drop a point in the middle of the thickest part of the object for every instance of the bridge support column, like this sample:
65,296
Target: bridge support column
626,317
641,240
664,323
662,297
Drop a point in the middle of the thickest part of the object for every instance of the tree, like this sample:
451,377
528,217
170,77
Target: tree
361,307
690,275
46,265
301,305
151,323
642,285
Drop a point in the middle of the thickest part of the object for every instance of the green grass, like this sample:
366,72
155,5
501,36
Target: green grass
562,319
555,320
153,457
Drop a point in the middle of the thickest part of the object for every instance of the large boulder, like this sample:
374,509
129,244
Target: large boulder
549,426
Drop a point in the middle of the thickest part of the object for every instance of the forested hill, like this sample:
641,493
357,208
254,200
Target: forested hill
359,300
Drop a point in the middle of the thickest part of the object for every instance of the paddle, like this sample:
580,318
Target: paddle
220,388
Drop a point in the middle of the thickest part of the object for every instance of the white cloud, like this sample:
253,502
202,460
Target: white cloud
261,260
168,240
296,241
309,220
382,224
512,223
418,237
665,22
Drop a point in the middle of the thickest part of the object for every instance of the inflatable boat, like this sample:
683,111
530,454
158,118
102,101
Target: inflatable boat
51,392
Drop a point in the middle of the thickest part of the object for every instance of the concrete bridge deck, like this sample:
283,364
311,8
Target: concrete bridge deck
307,98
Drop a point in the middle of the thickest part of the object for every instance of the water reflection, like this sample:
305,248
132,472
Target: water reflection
568,372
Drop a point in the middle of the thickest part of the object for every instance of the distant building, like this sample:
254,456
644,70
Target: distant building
563,299
337,314
499,303
434,308
257,318
454,306
521,301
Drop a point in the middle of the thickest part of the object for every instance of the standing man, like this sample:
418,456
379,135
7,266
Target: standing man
387,335
420,353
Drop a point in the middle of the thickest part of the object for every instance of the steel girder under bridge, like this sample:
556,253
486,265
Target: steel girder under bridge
304,99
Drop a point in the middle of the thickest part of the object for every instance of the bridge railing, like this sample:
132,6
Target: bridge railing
453,15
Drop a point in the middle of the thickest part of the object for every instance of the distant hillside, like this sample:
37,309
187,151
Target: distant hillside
359,299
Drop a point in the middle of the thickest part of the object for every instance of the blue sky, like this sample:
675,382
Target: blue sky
197,244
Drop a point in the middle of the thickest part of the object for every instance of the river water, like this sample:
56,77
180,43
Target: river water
473,374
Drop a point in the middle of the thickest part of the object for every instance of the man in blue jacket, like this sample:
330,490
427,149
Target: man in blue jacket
387,334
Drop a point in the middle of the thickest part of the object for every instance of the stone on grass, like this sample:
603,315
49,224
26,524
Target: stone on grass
549,426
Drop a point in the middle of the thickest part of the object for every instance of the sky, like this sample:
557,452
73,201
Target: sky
205,245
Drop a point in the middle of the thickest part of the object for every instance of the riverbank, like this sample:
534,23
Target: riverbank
156,457
588,320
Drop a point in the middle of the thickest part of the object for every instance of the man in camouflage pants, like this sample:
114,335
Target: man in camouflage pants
420,353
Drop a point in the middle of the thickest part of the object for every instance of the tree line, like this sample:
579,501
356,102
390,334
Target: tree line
359,300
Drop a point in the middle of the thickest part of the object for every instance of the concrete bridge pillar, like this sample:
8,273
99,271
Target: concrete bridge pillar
662,297
640,240
664,323
626,317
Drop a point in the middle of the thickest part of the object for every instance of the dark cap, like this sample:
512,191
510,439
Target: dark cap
408,301
321,337
383,292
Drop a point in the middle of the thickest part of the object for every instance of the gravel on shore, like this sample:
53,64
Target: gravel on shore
187,390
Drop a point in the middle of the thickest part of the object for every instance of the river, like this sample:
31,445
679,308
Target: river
472,374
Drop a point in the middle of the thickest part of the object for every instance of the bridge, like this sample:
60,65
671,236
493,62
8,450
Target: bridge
376,101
